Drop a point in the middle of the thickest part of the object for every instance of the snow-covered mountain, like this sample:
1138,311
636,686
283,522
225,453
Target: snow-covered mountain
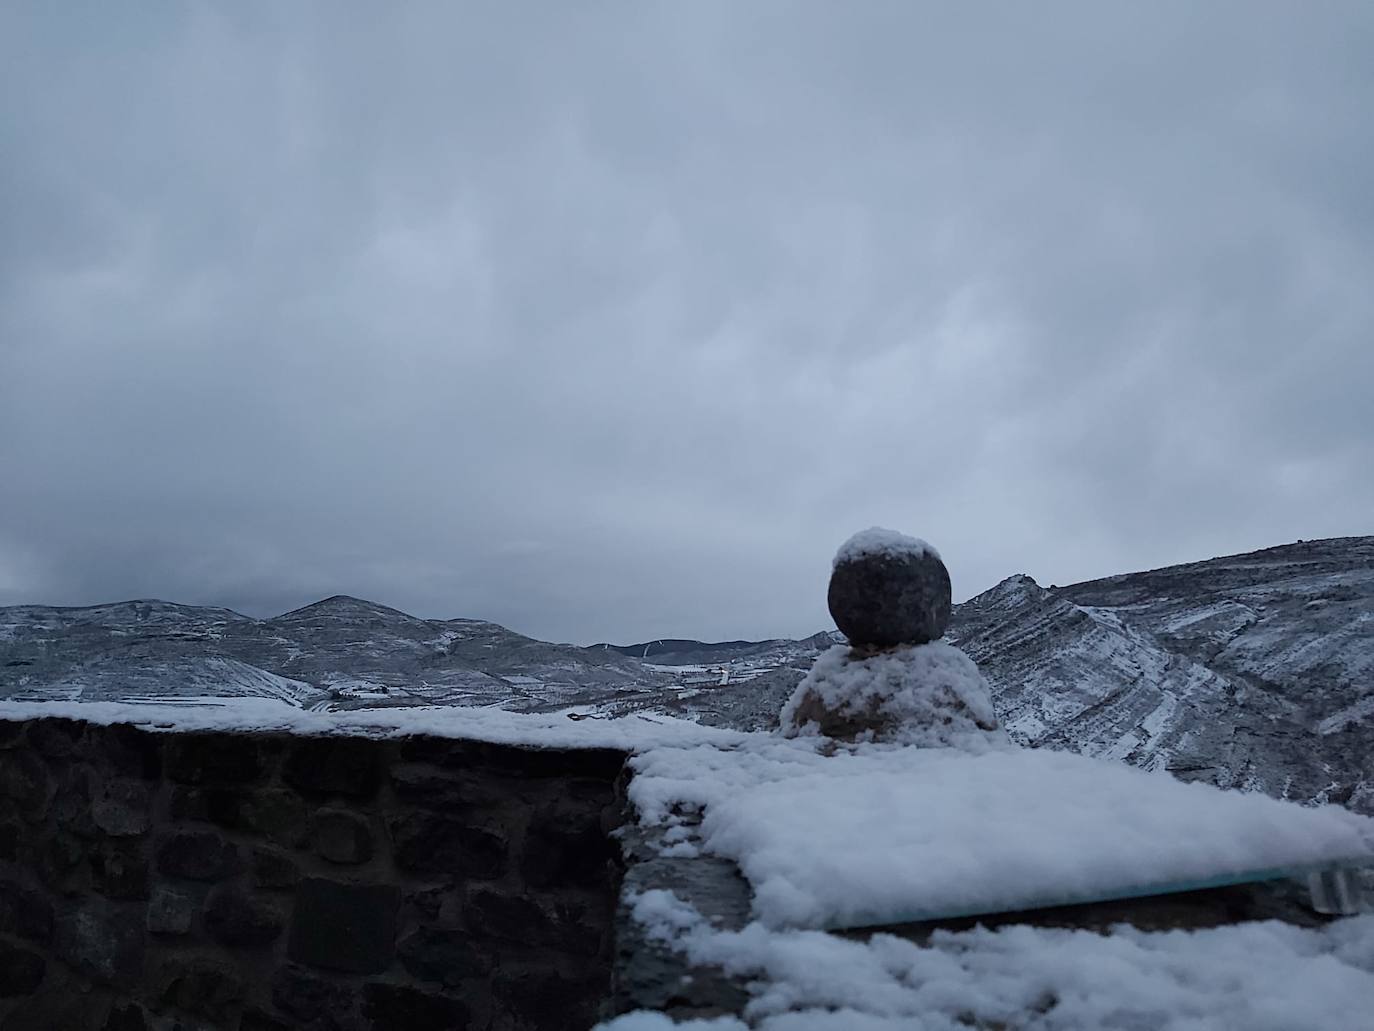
340,652
1253,670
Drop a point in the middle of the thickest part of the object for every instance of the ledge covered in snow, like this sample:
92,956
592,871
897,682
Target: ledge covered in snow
495,726
893,835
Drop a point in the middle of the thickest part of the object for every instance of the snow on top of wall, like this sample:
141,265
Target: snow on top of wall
496,726
928,695
884,543
1259,976
878,835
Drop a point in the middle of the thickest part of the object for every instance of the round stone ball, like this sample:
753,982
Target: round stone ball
888,589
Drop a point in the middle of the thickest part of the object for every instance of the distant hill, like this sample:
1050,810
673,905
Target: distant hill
679,652
340,651
1253,671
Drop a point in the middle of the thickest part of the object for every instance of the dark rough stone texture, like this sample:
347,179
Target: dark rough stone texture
341,837
305,997
556,855
11,733
334,766
56,738
200,986
548,1001
596,763
881,601
130,752
125,1018
350,927
103,939
391,1006
522,921
443,955
171,911
21,971
257,1020
278,815
198,856
54,1008
152,903
239,920
273,868
25,914
59,860
119,869
434,844
220,758
121,808
24,780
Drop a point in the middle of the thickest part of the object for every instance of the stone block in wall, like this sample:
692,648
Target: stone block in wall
348,927
307,997
171,911
11,734
341,837
546,1000
25,914
561,926
566,854
24,781
256,1020
21,970
399,1006
125,1017
273,868
235,918
321,766
427,843
198,856
276,814
443,955
121,808
70,808
119,868
199,985
127,751
60,861
56,738
103,939
213,758
595,763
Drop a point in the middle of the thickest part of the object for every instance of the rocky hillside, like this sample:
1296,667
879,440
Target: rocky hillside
339,652
1254,671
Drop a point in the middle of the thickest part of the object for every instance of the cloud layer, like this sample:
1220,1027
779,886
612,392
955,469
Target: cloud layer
613,320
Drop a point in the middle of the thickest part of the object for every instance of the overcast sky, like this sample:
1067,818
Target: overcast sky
612,320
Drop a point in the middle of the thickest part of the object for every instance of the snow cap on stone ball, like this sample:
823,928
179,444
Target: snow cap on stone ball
888,589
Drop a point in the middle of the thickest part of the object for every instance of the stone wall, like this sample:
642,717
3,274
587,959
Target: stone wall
255,882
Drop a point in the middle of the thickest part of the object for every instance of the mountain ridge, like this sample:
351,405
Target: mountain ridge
1253,670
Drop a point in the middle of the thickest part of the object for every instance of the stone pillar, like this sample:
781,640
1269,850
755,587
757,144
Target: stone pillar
894,682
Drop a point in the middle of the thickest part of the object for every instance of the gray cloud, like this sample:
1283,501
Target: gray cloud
612,320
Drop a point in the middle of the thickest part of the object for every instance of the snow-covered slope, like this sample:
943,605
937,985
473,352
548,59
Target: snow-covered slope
340,652
1253,671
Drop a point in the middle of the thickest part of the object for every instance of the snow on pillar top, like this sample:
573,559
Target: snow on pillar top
888,589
